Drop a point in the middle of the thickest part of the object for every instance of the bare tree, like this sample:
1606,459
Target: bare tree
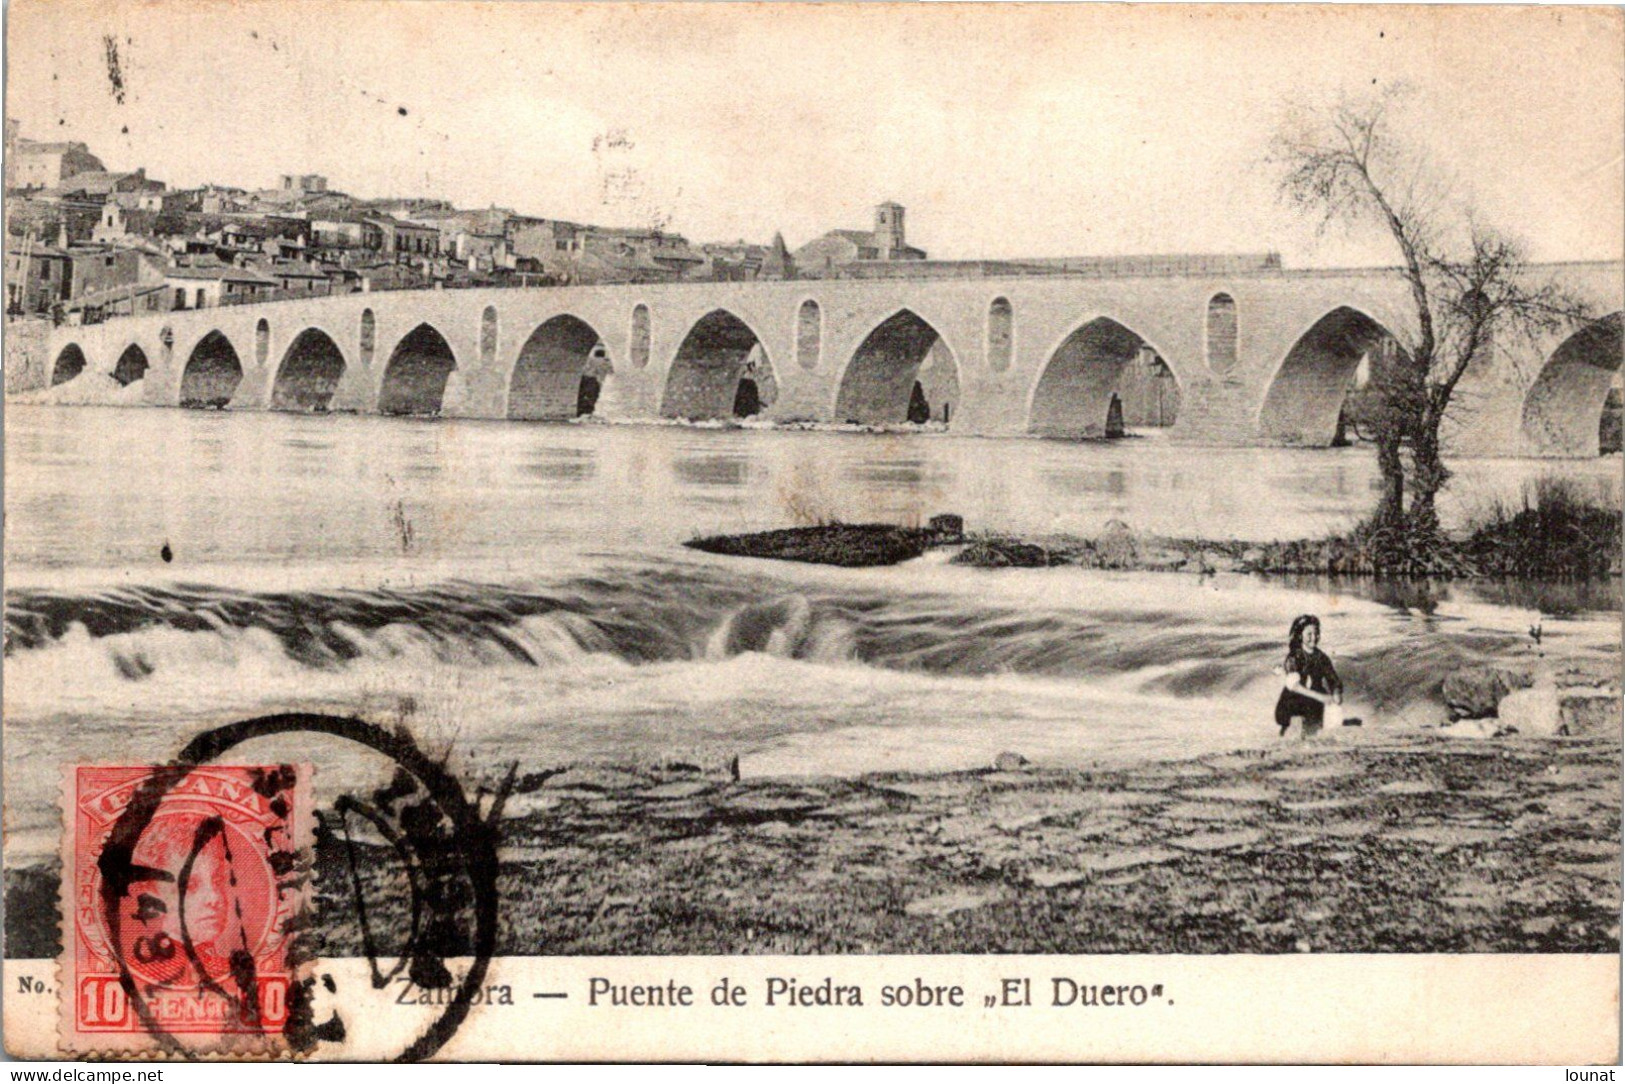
1469,285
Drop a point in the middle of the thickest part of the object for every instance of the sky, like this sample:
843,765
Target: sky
1005,129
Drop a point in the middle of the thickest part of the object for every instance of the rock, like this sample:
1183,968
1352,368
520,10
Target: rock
590,777
1445,837
1242,792
1002,553
1010,762
1116,547
1324,805
1475,693
1218,841
1407,786
928,789
694,763
1532,711
1162,559
948,903
1125,859
666,792
1473,728
1590,712
1540,927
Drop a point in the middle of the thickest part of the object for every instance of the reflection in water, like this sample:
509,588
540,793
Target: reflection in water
324,490
712,470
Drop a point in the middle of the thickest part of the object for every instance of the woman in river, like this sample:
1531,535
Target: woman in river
1310,681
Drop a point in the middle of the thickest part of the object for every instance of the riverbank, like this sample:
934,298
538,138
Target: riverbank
1566,539
1349,843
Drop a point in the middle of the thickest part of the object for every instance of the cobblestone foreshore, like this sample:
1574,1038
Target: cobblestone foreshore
1354,843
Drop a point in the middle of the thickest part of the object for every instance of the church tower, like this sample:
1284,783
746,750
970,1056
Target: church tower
889,230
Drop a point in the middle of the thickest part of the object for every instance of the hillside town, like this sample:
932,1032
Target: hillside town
85,243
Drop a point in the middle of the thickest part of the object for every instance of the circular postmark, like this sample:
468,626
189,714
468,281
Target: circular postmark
186,896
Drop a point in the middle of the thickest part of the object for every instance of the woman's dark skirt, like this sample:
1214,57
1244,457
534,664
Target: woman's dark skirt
1291,704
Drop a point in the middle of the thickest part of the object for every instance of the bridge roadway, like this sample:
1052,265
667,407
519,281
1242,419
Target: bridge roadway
1260,358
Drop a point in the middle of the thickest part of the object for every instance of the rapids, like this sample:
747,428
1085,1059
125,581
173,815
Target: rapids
518,594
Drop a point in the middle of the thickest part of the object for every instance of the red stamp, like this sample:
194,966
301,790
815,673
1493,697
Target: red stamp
180,890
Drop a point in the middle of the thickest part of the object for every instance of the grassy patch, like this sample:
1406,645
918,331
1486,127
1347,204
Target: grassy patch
1556,531
851,545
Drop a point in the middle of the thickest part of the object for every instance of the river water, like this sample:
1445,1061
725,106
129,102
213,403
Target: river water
519,593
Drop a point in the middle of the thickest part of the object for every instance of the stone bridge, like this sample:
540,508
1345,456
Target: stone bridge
1263,357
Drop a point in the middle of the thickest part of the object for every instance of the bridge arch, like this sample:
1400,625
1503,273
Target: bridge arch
309,373
882,383
132,365
416,374
1306,393
368,337
1562,412
721,370
70,362
213,371
262,342
1099,363
557,371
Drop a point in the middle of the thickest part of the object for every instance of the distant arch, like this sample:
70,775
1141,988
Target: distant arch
1306,394
310,372
719,352
262,342
132,365
809,334
1001,325
70,362
878,384
417,372
548,381
638,351
369,333
213,371
1562,413
1097,364
1221,334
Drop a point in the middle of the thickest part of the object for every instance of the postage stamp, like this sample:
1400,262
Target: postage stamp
182,893
865,532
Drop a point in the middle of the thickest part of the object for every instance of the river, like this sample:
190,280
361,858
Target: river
519,593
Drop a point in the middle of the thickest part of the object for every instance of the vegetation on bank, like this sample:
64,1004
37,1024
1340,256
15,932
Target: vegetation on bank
1556,531
1361,164
849,545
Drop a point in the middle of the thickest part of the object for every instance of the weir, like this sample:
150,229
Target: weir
1240,358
